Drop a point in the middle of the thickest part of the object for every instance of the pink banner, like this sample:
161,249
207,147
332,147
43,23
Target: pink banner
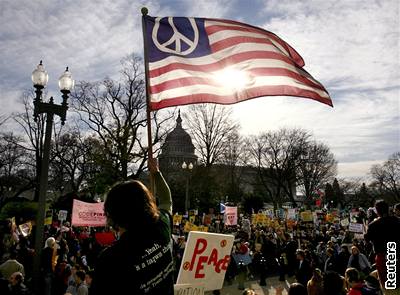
88,214
230,215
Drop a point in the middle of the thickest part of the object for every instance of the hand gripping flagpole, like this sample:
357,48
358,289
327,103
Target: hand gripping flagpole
144,11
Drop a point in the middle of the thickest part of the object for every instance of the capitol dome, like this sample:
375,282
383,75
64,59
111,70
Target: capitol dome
177,148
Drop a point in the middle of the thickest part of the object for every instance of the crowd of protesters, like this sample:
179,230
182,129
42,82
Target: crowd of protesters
324,259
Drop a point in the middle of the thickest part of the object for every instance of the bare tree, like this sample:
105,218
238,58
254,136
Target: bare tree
387,175
74,161
275,155
211,125
34,133
15,176
316,166
234,160
3,119
116,112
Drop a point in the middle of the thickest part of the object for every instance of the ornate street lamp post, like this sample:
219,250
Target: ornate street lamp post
188,169
40,79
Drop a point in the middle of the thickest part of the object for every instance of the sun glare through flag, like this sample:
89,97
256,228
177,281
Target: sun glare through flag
200,60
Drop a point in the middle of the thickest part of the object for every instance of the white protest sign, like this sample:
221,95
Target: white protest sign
345,222
205,260
187,289
359,236
25,228
292,214
62,215
356,227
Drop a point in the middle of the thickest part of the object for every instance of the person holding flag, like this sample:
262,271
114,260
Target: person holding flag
140,261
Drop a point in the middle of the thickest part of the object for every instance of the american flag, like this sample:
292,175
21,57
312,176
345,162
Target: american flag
202,60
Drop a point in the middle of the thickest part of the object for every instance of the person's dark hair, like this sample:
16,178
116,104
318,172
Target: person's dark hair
382,208
317,275
352,274
81,275
297,289
13,254
130,203
19,278
90,273
372,282
330,251
333,283
301,253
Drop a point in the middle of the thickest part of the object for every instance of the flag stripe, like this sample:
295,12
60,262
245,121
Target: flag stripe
215,56
219,63
182,71
214,25
221,91
176,81
236,40
222,35
280,90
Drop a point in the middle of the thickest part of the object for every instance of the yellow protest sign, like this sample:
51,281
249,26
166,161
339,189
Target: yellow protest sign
177,219
202,228
49,217
188,227
306,216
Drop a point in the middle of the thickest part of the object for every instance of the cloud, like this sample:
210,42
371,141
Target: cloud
352,47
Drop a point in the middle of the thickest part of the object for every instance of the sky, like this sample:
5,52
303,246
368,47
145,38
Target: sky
351,46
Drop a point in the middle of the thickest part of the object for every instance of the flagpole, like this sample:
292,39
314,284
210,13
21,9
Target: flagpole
145,11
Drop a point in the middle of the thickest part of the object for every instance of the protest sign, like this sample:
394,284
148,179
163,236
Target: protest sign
177,219
188,226
356,227
202,228
270,213
25,228
231,215
306,216
292,214
345,222
49,217
62,215
205,260
88,214
359,236
187,289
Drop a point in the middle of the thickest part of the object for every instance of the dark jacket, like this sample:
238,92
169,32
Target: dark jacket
140,262
304,273
383,230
